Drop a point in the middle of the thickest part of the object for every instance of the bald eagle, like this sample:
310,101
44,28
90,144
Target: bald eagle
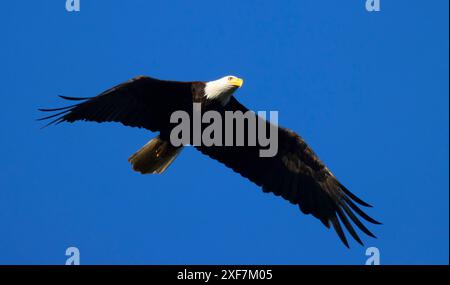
295,173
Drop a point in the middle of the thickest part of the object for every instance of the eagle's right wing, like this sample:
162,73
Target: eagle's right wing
141,102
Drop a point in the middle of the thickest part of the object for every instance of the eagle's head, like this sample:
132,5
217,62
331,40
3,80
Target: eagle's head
222,88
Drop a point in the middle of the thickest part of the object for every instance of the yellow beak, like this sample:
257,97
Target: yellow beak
236,82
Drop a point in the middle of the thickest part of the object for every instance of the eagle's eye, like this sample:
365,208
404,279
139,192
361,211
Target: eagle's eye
230,78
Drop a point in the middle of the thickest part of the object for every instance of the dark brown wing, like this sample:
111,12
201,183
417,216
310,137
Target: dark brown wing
141,102
299,176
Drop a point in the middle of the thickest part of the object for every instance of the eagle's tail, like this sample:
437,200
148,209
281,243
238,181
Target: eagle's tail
154,157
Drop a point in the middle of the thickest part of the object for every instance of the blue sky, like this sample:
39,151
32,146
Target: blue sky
368,91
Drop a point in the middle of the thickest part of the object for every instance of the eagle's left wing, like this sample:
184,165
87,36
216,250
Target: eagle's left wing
298,175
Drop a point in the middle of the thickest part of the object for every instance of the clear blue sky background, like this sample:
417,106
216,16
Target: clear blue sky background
368,91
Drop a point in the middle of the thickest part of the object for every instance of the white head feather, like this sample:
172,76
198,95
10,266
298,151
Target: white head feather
222,89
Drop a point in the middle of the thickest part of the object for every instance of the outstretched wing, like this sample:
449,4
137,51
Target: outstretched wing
141,102
299,176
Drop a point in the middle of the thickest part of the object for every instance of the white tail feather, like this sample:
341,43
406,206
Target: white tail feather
154,157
